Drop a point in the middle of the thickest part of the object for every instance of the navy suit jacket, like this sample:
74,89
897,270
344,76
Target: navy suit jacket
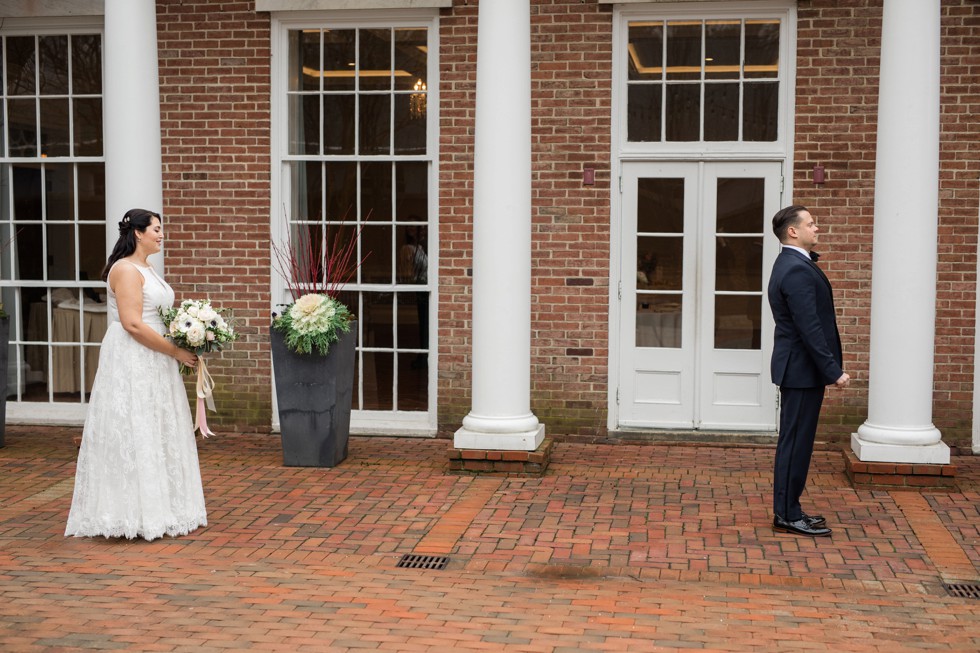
806,349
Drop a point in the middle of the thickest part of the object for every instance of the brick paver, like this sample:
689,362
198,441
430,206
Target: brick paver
616,548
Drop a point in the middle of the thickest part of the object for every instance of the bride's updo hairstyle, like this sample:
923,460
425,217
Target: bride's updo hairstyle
134,220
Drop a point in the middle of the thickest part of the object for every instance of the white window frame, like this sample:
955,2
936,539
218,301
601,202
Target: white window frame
781,150
85,20
363,422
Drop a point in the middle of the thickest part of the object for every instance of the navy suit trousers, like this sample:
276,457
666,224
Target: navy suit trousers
798,413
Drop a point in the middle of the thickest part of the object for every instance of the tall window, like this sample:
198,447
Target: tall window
52,212
703,80
357,165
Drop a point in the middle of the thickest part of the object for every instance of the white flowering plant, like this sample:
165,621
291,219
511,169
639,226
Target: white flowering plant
198,326
312,323
316,264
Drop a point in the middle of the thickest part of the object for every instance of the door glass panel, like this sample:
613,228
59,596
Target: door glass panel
738,264
660,206
738,322
660,262
658,320
741,205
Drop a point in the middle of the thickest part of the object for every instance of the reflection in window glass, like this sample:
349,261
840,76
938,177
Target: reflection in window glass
54,209
664,102
738,321
658,320
365,180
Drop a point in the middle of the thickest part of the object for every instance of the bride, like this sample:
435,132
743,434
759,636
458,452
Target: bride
137,473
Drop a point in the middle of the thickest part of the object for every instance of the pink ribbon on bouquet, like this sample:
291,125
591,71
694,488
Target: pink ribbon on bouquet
205,388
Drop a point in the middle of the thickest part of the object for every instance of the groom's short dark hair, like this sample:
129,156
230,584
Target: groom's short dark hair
786,218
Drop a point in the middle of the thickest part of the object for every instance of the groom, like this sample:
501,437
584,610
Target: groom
806,357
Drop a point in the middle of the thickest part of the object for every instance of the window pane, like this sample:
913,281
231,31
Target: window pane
412,191
54,127
410,57
376,244
761,48
22,127
375,122
375,59
91,251
413,256
643,119
91,192
338,124
61,251
646,51
738,322
683,112
53,71
20,65
306,190
378,378
304,71
683,50
738,263
741,206
341,191
660,206
658,320
338,59
410,123
377,324
88,126
376,191
760,112
304,124
721,112
59,192
29,264
86,64
659,263
722,47
27,192
413,381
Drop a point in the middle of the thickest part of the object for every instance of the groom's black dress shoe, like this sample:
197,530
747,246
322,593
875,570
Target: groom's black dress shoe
814,520
799,527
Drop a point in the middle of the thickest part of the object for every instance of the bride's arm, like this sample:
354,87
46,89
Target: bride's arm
127,283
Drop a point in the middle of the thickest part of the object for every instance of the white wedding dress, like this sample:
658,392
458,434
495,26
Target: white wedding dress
137,474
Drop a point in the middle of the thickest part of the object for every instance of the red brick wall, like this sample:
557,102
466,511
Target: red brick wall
836,119
214,104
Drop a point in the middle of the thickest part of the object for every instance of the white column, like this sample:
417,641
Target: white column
500,416
131,104
899,427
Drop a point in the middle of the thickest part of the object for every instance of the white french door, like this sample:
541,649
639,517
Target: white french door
695,333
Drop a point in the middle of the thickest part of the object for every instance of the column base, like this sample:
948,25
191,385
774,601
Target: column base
480,440
927,454
898,476
493,462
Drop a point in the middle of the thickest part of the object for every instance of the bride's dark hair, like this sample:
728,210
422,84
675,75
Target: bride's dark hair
134,220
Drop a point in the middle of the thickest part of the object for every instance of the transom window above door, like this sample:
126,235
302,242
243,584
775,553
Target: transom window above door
703,80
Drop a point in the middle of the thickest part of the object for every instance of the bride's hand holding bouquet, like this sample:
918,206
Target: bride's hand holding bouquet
199,327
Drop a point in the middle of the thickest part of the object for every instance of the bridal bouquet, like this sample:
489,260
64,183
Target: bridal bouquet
200,327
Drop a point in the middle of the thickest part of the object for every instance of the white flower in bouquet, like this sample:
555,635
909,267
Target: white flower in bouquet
206,314
195,334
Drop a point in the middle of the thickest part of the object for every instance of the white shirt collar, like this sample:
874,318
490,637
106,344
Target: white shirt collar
798,249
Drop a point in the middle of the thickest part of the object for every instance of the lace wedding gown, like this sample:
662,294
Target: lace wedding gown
137,473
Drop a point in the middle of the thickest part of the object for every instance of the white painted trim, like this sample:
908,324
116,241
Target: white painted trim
419,424
336,5
620,153
50,8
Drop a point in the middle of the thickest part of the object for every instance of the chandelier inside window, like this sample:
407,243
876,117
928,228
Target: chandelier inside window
416,101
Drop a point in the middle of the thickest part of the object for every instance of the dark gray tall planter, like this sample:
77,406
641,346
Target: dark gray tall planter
4,351
314,394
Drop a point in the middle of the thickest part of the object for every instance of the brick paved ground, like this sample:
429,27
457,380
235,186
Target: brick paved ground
637,548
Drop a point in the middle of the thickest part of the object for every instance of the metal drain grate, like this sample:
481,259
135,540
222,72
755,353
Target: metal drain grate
963,590
413,561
